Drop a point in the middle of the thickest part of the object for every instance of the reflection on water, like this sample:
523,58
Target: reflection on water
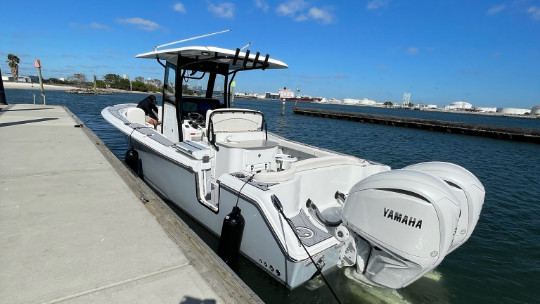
499,264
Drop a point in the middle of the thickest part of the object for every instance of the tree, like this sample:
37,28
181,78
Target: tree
139,79
139,86
122,84
13,63
388,104
101,84
112,78
53,80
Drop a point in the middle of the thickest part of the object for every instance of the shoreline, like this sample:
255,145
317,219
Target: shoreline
440,110
55,87
30,86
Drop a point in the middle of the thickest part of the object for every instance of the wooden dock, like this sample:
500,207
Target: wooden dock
518,134
78,227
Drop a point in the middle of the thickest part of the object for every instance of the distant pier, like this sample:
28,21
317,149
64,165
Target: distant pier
526,135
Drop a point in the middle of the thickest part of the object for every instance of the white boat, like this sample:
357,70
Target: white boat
305,208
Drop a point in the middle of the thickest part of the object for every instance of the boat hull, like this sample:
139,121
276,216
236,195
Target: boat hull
178,184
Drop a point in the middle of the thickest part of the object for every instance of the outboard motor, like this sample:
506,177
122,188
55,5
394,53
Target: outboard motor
398,225
466,187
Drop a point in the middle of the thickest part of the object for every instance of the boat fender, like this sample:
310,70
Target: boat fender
231,236
132,160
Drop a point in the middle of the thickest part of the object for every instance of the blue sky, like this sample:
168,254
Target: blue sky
484,52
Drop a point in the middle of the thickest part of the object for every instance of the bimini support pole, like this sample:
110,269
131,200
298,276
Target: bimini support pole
3,100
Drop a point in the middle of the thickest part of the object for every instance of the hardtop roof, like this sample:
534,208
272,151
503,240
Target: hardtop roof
218,55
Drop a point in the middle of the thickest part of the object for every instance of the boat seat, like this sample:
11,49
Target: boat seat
135,115
306,165
249,144
235,120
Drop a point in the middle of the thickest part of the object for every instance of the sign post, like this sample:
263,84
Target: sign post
37,65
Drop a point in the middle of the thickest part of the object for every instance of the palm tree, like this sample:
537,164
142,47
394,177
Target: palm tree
13,63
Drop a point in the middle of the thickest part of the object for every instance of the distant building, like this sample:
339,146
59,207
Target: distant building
421,106
270,95
28,79
366,102
459,105
535,110
485,109
513,111
350,101
334,100
286,93
24,79
154,82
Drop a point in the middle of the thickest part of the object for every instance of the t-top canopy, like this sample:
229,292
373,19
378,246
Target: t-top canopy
235,59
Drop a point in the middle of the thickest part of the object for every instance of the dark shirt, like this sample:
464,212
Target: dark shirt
149,107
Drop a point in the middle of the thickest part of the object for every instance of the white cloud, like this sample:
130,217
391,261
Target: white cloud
90,26
301,18
140,23
291,8
179,7
534,11
222,10
320,15
300,10
495,9
262,5
376,4
97,26
413,50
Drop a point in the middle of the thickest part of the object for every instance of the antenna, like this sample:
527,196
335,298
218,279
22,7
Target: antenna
245,46
191,38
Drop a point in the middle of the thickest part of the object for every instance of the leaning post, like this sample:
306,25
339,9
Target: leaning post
37,65
3,100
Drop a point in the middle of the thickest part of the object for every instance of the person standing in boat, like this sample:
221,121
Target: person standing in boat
148,105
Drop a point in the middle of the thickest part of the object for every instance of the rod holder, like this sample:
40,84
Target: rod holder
236,56
256,59
246,58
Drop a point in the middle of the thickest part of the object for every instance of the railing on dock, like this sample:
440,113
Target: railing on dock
518,134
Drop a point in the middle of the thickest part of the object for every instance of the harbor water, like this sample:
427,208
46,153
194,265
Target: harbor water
499,264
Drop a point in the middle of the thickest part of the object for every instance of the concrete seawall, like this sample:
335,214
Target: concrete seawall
78,227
